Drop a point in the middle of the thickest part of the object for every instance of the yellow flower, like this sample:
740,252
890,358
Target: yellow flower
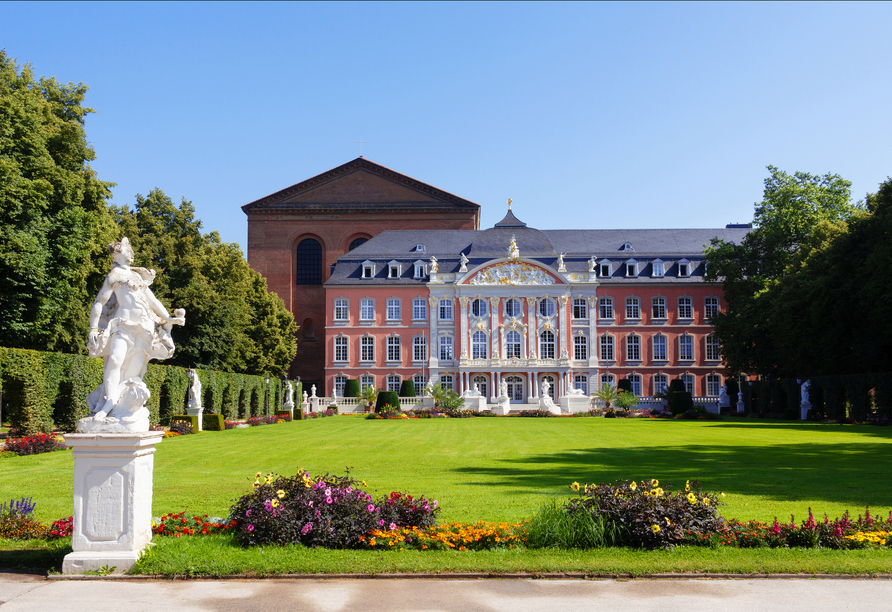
633,486
364,483
687,486
658,491
668,522
256,483
705,501
723,493
692,498
275,503
575,486
655,529
269,478
280,493
257,475
654,483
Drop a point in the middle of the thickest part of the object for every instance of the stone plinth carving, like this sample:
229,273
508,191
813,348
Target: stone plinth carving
128,327
112,499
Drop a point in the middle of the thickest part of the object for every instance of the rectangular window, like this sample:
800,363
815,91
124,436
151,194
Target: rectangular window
580,308
366,381
633,348
340,310
633,310
512,345
580,347
446,348
684,269
685,308
631,269
479,342
713,348
605,304
546,345
607,348
393,348
605,269
608,379
339,382
686,348
419,348
658,268
445,310
367,348
419,270
393,309
366,310
660,352
635,379
447,382
393,271
658,307
661,383
713,384
420,381
580,381
340,343
688,380
393,382
419,309
711,307
368,270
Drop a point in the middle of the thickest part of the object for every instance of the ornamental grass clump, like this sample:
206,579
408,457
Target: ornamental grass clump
34,444
645,515
323,511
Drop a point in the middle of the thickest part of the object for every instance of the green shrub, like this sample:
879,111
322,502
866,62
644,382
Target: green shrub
391,398
407,389
212,422
554,526
189,419
298,414
624,384
351,388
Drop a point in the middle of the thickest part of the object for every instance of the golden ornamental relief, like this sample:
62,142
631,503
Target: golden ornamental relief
512,274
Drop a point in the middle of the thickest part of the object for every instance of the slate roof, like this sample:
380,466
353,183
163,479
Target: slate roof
578,246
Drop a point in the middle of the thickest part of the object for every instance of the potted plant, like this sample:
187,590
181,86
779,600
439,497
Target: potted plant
370,396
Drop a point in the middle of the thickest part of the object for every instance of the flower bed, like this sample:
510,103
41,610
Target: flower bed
17,522
34,444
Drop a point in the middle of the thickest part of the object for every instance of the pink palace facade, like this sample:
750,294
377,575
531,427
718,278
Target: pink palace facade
576,308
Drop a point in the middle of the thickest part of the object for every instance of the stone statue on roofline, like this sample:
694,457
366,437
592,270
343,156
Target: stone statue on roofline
434,265
128,328
464,263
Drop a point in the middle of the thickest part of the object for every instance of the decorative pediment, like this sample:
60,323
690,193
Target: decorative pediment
512,274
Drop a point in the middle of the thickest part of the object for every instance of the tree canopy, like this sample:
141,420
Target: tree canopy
804,280
57,223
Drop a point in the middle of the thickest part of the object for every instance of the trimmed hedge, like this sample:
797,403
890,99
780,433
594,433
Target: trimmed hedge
43,391
212,422
387,397
186,418
407,388
351,387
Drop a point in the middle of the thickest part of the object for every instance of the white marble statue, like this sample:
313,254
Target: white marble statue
576,392
434,265
803,393
334,393
194,390
289,395
464,263
513,251
545,386
312,390
724,400
592,265
473,392
128,327
503,389
306,398
561,266
429,388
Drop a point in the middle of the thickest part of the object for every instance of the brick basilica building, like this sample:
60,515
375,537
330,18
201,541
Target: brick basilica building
392,279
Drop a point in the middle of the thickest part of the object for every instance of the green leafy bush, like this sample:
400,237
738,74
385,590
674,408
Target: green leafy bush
407,388
212,422
391,398
181,427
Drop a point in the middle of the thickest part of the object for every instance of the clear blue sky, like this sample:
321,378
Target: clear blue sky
587,115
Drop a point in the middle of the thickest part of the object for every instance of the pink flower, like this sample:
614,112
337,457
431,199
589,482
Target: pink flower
250,527
370,508
328,492
327,500
393,526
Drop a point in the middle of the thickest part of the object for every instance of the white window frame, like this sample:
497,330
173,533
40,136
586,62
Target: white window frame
341,346
393,382
394,349
548,305
632,268
368,269
446,348
394,269
580,348
713,384
419,309
605,308
660,347
635,379
580,381
660,383
657,268
420,269
367,309
546,345
420,381
710,307
685,307
339,382
608,379
394,309
633,308
606,348
658,309
481,307
419,348
513,349
713,348
580,308
479,345
633,347
367,349
341,309
604,268
366,381
689,382
684,268
445,308
447,381
686,347
517,312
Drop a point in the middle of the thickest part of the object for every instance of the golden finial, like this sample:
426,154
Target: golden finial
509,203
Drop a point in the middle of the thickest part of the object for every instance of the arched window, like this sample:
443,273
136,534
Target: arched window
357,242
513,308
546,307
478,308
309,262
546,345
480,381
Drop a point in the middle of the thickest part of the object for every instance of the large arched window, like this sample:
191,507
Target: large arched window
357,242
309,262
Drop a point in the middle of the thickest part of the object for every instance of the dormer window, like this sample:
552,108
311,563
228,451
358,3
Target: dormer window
368,269
393,269
419,248
684,268
658,267
604,268
632,268
420,269
627,247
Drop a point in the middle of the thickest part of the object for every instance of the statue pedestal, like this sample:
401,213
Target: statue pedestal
803,411
112,499
503,405
477,404
575,403
198,412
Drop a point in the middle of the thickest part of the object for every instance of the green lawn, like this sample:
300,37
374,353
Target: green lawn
498,469
504,468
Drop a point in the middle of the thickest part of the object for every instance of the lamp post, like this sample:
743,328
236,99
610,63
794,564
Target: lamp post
267,396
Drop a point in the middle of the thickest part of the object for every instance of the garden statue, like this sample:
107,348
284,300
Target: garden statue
334,393
305,397
194,390
803,393
545,386
574,391
434,266
503,389
312,390
724,400
128,327
464,263
429,388
289,395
